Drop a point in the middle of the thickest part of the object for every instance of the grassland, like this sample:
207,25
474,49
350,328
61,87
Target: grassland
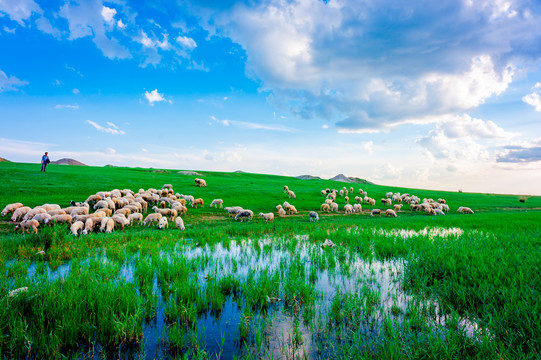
416,286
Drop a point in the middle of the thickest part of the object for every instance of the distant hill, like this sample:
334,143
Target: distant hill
66,161
308,177
3,160
350,179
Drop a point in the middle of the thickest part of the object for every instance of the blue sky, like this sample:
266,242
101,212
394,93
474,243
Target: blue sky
441,95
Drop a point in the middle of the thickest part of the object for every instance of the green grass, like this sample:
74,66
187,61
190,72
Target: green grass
376,295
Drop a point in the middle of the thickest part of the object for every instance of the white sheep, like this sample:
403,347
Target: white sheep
26,225
11,208
154,217
61,219
267,216
198,201
351,189
281,212
179,223
465,210
286,189
290,209
357,208
325,207
56,212
439,212
388,194
348,209
217,202
387,202
390,212
135,217
163,223
77,227
314,216
233,210
291,194
397,207
102,204
32,212
48,207
109,226
285,204
121,220
334,206
346,199
43,218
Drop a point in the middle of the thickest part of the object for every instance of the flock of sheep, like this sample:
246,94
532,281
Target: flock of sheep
106,211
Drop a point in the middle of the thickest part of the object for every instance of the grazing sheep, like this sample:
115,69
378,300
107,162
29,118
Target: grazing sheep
200,182
121,220
371,201
358,208
325,207
62,219
105,212
387,202
397,207
167,186
244,214
439,212
314,216
441,201
286,189
281,212
346,199
166,212
388,194
323,193
108,225
351,189
163,223
43,218
32,212
135,217
328,201
26,225
267,216
390,212
79,211
180,209
285,204
430,211
179,223
291,194
233,210
361,191
90,224
445,207
11,208
102,204
56,212
154,217
465,210
217,202
198,201
77,227
341,192
375,212
358,199
348,209
334,207
278,207
290,209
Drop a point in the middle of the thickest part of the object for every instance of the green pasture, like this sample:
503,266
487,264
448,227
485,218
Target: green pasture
416,286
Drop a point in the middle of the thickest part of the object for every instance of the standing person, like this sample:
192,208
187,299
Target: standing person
44,161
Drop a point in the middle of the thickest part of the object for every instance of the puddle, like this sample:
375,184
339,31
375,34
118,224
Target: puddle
429,232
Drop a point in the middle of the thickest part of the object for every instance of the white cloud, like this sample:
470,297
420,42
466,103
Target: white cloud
110,130
76,91
112,125
533,99
110,151
19,10
10,83
537,85
320,59
144,150
88,18
369,147
8,30
186,42
120,24
154,96
67,106
254,126
108,14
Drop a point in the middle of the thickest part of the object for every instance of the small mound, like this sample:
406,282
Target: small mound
308,177
66,161
189,172
3,160
350,179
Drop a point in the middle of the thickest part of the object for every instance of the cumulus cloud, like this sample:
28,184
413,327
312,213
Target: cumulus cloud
368,66
10,83
90,18
533,99
154,96
112,129
186,42
19,10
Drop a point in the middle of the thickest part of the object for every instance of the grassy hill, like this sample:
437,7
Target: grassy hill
417,286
